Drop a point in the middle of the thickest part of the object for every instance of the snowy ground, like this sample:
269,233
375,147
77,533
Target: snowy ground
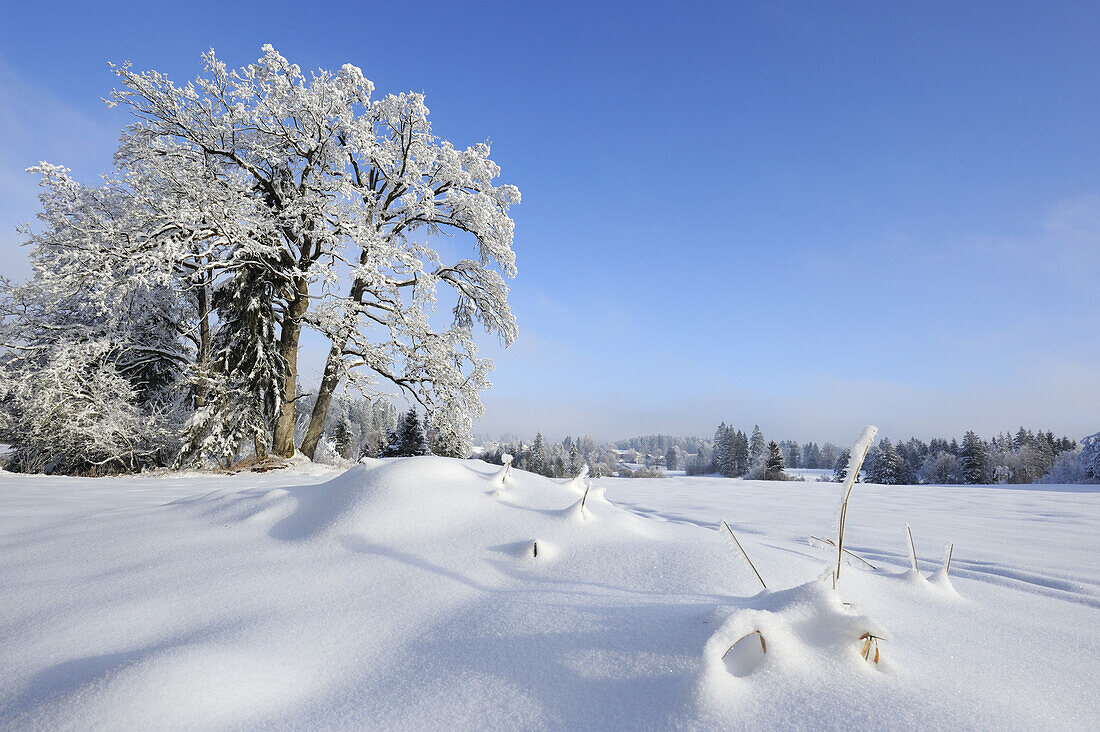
406,594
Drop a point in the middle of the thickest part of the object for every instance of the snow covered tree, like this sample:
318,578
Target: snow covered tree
1089,457
811,455
758,454
330,181
342,437
939,468
885,469
374,446
757,445
740,453
672,458
408,439
245,371
454,443
536,460
721,453
773,467
973,460
840,468
575,461
792,454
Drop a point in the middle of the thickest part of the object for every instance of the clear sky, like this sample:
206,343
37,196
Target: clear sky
810,216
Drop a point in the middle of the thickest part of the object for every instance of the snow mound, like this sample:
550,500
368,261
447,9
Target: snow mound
805,627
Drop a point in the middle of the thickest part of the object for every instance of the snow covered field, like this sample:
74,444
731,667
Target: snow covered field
407,594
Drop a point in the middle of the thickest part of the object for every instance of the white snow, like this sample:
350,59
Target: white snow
408,594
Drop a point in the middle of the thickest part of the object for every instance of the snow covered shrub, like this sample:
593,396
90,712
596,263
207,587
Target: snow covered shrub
1074,467
941,468
92,353
328,453
641,472
75,413
1089,457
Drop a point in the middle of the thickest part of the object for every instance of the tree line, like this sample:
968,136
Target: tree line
1025,456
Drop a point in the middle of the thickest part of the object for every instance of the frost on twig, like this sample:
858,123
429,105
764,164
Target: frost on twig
741,551
855,462
826,543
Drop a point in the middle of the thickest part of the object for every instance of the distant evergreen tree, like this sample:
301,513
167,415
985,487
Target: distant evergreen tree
840,469
374,446
794,455
727,454
912,454
342,437
756,444
740,453
773,468
408,440
574,459
721,448
811,455
389,449
886,469
536,461
242,384
973,460
758,454
672,458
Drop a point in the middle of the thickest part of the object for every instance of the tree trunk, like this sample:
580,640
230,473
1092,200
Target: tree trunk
283,439
202,296
329,382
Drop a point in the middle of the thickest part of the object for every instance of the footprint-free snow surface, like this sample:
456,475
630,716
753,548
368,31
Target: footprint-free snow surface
425,593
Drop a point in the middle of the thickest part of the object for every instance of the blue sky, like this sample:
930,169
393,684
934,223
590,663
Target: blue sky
810,216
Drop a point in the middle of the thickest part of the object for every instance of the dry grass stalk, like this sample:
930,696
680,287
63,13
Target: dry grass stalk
741,549
912,550
763,645
947,563
854,466
851,554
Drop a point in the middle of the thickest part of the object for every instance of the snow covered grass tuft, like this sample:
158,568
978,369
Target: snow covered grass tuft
855,463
